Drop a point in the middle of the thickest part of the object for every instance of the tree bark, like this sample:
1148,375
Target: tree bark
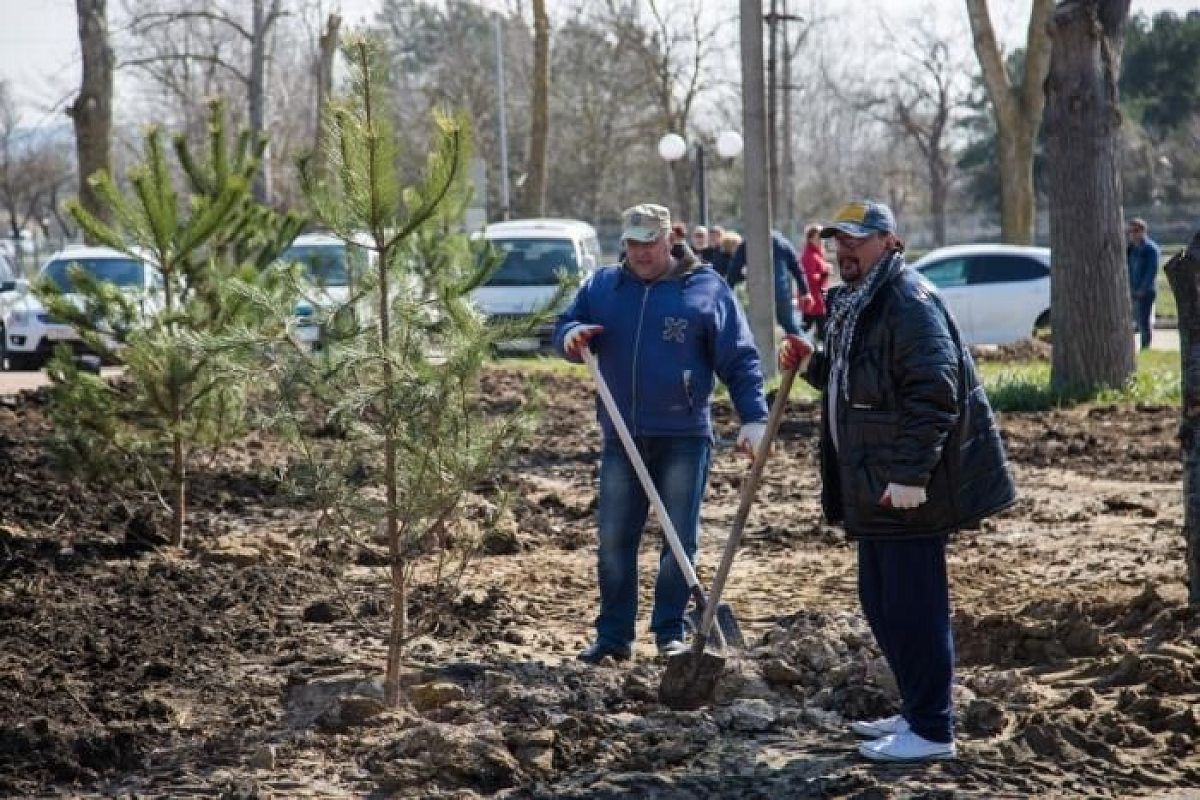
1183,272
1089,297
327,51
91,113
1017,110
534,196
262,22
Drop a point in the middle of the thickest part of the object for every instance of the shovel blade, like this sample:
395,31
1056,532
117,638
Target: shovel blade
724,620
690,680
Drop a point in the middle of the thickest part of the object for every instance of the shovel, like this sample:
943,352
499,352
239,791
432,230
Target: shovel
726,627
690,680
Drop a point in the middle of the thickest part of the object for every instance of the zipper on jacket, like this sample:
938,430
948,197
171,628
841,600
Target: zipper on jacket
637,344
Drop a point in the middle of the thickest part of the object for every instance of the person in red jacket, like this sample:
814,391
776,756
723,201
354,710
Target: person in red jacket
816,272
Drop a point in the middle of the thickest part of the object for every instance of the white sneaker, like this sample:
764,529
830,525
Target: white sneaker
671,648
906,746
873,729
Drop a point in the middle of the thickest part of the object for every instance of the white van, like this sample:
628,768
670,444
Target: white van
330,267
534,252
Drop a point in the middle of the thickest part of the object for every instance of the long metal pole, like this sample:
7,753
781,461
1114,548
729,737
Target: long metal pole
760,279
773,109
502,117
702,180
788,171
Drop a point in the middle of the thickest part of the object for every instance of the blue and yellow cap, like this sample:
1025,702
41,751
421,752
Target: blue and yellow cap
861,219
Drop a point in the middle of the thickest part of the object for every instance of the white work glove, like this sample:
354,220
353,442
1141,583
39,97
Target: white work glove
750,437
898,496
578,337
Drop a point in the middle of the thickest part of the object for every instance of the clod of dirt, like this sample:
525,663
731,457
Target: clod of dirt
438,754
429,696
983,718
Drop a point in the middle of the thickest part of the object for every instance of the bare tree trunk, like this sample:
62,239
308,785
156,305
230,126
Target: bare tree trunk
534,196
91,112
1183,271
327,51
938,189
1018,199
1089,299
1018,112
257,95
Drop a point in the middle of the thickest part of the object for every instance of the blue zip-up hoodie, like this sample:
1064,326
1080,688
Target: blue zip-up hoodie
664,343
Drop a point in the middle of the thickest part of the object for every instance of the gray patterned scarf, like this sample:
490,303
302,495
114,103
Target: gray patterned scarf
844,308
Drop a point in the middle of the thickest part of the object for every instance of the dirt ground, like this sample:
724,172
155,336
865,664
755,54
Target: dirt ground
247,666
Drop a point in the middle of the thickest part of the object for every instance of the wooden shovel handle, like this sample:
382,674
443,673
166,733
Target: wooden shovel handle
749,489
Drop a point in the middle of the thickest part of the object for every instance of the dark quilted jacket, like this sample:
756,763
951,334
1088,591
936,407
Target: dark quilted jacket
917,416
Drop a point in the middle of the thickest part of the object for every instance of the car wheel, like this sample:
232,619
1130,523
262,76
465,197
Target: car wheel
1041,326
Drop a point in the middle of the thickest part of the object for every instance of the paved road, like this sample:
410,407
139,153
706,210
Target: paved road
14,382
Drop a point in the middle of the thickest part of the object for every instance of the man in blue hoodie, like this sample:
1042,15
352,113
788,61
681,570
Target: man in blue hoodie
1141,256
663,330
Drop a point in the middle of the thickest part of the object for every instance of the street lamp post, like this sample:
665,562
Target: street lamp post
673,147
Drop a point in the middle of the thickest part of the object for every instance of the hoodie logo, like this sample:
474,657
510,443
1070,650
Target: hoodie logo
673,329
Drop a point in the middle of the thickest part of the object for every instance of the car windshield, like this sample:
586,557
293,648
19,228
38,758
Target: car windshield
324,264
123,272
533,262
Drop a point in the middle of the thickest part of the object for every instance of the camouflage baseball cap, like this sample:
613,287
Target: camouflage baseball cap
861,219
645,223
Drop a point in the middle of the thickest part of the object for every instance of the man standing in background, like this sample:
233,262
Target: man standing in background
1142,258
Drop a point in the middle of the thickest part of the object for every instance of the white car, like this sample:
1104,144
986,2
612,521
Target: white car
534,252
30,333
330,266
998,293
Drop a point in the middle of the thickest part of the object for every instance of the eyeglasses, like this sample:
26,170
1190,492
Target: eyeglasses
850,242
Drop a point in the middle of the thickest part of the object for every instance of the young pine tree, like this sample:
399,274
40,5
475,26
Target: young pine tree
176,397
400,384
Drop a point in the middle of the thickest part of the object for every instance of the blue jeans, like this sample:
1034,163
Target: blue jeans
905,596
1142,306
678,465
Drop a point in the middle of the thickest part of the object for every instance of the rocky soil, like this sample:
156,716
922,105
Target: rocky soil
248,664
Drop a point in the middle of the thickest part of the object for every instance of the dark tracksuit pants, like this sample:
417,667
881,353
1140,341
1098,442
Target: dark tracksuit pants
905,595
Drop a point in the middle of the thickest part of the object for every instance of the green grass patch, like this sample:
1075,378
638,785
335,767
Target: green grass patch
1010,385
1025,386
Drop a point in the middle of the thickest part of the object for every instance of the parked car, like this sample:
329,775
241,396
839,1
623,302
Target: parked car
998,293
534,251
30,333
330,267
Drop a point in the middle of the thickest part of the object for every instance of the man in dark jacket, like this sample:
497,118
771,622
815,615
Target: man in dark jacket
1141,256
664,327
910,453
787,268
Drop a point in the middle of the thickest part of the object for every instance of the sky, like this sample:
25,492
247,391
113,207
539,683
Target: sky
39,47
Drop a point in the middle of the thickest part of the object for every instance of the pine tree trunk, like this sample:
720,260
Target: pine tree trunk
178,483
534,196
1183,271
1089,298
91,113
